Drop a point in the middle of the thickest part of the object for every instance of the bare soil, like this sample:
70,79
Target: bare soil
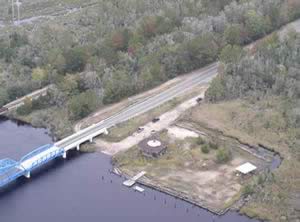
188,172
166,119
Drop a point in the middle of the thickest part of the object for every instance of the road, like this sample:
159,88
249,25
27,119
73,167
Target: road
201,77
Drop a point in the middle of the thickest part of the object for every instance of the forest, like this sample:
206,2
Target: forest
265,82
115,49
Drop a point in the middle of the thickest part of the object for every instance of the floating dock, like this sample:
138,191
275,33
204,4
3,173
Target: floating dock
132,181
139,189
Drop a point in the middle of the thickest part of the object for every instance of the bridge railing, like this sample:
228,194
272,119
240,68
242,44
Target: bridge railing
44,159
7,163
9,171
36,152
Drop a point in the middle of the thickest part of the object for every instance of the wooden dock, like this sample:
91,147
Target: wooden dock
132,181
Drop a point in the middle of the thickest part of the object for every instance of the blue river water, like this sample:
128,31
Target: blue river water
82,188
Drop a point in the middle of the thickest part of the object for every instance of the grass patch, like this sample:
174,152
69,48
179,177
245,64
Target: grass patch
260,123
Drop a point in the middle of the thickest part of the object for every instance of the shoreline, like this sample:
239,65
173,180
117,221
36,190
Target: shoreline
178,195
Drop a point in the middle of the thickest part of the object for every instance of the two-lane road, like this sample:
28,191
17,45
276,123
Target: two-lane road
200,77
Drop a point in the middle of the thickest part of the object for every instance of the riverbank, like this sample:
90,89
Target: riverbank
189,174
274,194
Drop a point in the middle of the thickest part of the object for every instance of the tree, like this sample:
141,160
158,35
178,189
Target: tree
26,108
256,25
149,27
231,54
118,87
69,85
38,74
233,34
76,59
202,50
83,104
120,39
223,155
4,98
17,40
205,148
217,90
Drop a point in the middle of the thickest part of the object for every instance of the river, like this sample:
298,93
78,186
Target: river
82,188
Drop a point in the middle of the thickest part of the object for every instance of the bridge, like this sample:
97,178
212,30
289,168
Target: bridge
10,170
21,101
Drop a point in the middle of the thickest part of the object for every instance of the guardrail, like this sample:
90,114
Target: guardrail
50,156
10,169
35,152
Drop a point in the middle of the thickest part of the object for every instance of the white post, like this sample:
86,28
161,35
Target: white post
64,155
91,139
78,147
12,10
27,174
18,5
105,131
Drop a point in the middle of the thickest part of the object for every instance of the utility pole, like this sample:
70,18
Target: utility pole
12,10
18,6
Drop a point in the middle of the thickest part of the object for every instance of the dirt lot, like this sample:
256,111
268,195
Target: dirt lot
187,171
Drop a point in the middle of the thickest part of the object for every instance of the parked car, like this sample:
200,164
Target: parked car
199,100
155,120
140,129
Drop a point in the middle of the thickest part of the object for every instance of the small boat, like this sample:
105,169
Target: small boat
139,189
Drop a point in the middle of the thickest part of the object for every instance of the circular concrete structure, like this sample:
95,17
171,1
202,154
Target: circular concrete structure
154,143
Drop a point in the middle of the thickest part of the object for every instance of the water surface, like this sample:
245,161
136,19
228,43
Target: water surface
82,188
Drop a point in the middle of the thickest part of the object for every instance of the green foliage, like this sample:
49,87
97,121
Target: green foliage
4,97
256,25
17,40
213,145
200,141
233,35
76,59
26,108
223,155
117,87
249,76
39,75
69,84
202,50
83,104
248,190
231,54
205,148
217,89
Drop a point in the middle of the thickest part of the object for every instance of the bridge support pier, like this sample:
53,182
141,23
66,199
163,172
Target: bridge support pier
91,140
27,174
64,155
78,147
105,131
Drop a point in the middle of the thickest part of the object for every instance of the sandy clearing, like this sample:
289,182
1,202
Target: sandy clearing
213,187
181,133
166,120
